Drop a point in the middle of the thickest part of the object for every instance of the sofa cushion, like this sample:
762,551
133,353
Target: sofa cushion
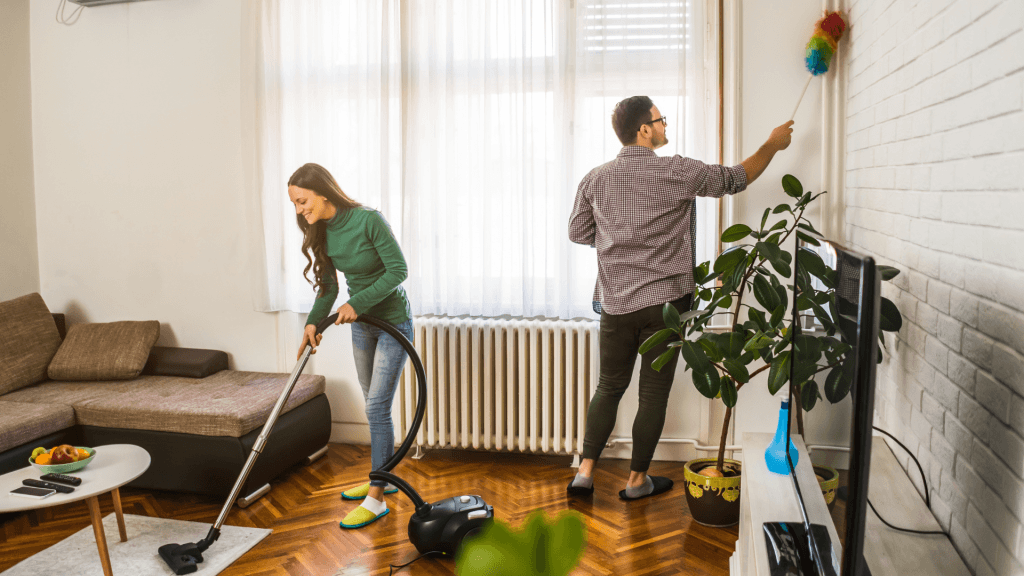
21,423
28,341
228,403
191,362
108,351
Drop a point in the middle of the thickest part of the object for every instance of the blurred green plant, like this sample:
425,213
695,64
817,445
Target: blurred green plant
722,361
539,548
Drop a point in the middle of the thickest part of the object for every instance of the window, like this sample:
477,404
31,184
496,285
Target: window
469,124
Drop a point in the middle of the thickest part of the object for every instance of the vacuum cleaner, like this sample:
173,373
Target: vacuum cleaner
439,527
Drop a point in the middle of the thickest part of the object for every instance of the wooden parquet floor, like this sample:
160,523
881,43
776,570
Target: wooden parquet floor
652,536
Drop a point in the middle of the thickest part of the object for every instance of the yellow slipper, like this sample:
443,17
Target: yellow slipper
360,517
360,492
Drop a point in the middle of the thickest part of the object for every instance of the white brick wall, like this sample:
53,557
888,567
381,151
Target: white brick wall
935,166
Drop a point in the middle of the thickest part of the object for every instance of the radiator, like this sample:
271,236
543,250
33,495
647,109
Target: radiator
493,384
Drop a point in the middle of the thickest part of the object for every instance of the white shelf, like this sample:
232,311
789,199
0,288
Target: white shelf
769,497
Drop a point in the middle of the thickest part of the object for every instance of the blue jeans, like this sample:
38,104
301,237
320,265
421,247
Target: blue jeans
379,363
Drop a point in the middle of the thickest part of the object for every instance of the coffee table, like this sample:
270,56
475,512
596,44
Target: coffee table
113,466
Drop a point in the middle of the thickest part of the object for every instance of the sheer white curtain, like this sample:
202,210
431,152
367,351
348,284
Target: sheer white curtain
468,124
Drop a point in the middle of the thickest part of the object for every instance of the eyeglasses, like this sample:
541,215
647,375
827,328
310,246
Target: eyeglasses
663,120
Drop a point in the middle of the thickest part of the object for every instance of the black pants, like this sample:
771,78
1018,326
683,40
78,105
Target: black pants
621,337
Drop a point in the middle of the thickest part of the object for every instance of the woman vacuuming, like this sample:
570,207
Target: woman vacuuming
344,236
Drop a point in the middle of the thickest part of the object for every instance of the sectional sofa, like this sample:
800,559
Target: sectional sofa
96,384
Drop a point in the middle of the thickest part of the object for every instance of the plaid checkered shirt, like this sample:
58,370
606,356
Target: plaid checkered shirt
636,210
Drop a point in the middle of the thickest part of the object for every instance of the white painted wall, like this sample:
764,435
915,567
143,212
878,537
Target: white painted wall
138,170
19,260
935,158
772,39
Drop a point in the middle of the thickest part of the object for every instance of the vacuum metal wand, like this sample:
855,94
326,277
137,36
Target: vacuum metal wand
257,448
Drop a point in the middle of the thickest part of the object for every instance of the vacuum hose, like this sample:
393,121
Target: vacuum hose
384,472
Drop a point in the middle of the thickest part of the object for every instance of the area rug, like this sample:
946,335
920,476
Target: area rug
77,554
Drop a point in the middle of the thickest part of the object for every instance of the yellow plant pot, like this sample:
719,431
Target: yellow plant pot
713,501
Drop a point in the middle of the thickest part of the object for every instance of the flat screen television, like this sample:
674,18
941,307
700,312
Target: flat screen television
853,310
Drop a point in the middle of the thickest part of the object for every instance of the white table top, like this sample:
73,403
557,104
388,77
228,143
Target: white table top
113,466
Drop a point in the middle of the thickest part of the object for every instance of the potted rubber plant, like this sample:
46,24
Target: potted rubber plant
539,547
749,285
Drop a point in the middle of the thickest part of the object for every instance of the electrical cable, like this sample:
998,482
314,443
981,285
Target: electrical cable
927,499
393,567
67,20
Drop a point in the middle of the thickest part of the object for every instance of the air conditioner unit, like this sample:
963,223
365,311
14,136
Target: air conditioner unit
90,3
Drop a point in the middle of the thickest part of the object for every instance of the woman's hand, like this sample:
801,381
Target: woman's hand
307,338
346,315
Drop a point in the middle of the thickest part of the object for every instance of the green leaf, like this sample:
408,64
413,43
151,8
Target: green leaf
567,539
694,356
808,349
810,260
807,225
725,301
729,259
728,390
769,251
764,294
778,315
737,369
781,208
665,358
731,344
779,225
699,273
792,186
778,374
671,316
655,339
837,383
758,317
706,382
780,291
758,341
890,319
710,348
822,317
888,272
735,232
808,239
764,218
809,394
689,315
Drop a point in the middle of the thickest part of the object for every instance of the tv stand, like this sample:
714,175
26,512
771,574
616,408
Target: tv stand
768,497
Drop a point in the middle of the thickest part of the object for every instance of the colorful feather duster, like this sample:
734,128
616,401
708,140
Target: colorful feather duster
827,32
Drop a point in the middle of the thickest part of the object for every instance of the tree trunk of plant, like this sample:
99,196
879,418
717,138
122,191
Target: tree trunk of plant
721,444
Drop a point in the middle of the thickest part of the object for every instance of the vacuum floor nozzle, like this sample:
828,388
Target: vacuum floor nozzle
181,558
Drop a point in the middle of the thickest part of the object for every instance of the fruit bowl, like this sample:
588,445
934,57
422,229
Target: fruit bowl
66,467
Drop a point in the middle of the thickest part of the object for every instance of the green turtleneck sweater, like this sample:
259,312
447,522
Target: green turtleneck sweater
361,246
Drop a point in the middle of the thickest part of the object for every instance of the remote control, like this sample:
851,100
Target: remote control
40,484
62,479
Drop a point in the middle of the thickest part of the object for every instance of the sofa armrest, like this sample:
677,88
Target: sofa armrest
187,362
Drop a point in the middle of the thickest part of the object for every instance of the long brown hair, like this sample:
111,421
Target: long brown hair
314,236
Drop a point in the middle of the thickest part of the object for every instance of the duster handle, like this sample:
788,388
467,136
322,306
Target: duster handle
802,92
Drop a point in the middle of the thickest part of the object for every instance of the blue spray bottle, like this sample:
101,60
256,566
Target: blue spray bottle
775,455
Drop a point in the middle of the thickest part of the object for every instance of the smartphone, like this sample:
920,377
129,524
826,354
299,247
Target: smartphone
33,492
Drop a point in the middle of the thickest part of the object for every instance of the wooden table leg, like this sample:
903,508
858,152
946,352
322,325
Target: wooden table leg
101,537
116,495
